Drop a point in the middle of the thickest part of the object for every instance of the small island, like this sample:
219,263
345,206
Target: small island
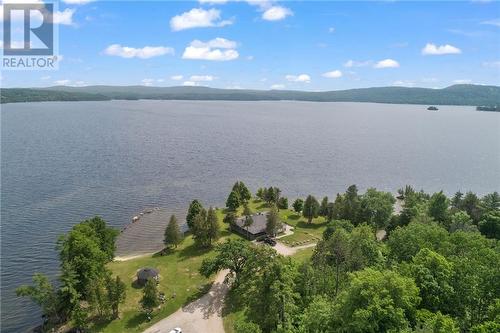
494,108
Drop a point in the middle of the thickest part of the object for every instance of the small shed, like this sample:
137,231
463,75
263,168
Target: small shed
145,274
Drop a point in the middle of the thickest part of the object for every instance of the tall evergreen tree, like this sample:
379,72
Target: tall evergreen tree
323,209
438,208
194,209
233,201
150,298
298,205
212,226
173,235
116,294
273,224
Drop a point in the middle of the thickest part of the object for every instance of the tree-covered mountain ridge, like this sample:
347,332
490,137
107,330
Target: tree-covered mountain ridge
460,94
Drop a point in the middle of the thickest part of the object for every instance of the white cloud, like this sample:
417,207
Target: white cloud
331,30
59,17
332,74
433,49
198,78
213,2
47,77
298,78
143,53
387,63
176,77
250,57
147,82
77,2
403,83
278,86
65,17
492,64
218,49
62,82
276,13
495,22
353,63
198,18
189,83
462,81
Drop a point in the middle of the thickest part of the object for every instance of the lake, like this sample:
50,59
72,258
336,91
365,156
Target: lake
63,162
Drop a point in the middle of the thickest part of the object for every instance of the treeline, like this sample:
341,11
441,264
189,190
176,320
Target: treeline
20,95
86,290
460,94
437,270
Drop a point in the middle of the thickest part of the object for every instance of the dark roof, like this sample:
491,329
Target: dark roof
258,225
147,273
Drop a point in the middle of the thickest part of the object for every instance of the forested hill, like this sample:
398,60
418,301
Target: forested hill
466,94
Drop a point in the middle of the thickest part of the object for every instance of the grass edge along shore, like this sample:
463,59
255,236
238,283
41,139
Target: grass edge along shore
180,266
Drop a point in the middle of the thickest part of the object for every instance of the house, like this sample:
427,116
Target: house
256,230
145,274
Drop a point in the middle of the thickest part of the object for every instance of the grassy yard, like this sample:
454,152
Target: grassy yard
179,272
304,233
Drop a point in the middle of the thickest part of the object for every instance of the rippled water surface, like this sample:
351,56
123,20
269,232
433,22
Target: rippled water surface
65,161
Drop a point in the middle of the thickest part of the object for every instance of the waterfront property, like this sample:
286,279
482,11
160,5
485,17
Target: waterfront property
255,230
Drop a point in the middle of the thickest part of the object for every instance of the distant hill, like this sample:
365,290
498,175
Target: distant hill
465,94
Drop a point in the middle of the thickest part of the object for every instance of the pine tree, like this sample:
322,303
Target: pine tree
323,209
212,227
150,296
173,235
273,224
116,294
233,201
194,209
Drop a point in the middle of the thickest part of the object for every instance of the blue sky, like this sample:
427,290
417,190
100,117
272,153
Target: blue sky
305,45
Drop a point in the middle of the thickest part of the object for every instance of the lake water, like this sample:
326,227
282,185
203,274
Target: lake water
65,161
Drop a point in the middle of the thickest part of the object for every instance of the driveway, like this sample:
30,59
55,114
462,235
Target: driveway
205,314
202,315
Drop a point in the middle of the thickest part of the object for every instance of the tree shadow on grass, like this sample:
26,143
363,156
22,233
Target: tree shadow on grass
233,302
193,251
294,217
136,320
262,205
312,226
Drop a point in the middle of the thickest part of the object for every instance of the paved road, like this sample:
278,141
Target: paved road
204,314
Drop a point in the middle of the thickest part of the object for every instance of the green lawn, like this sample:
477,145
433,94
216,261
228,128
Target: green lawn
303,232
179,272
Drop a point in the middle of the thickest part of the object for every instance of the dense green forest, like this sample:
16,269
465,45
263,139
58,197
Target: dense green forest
437,270
467,94
20,95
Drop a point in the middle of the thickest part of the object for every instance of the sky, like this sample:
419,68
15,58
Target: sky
300,45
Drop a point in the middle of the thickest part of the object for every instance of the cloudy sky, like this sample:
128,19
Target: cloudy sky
325,45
